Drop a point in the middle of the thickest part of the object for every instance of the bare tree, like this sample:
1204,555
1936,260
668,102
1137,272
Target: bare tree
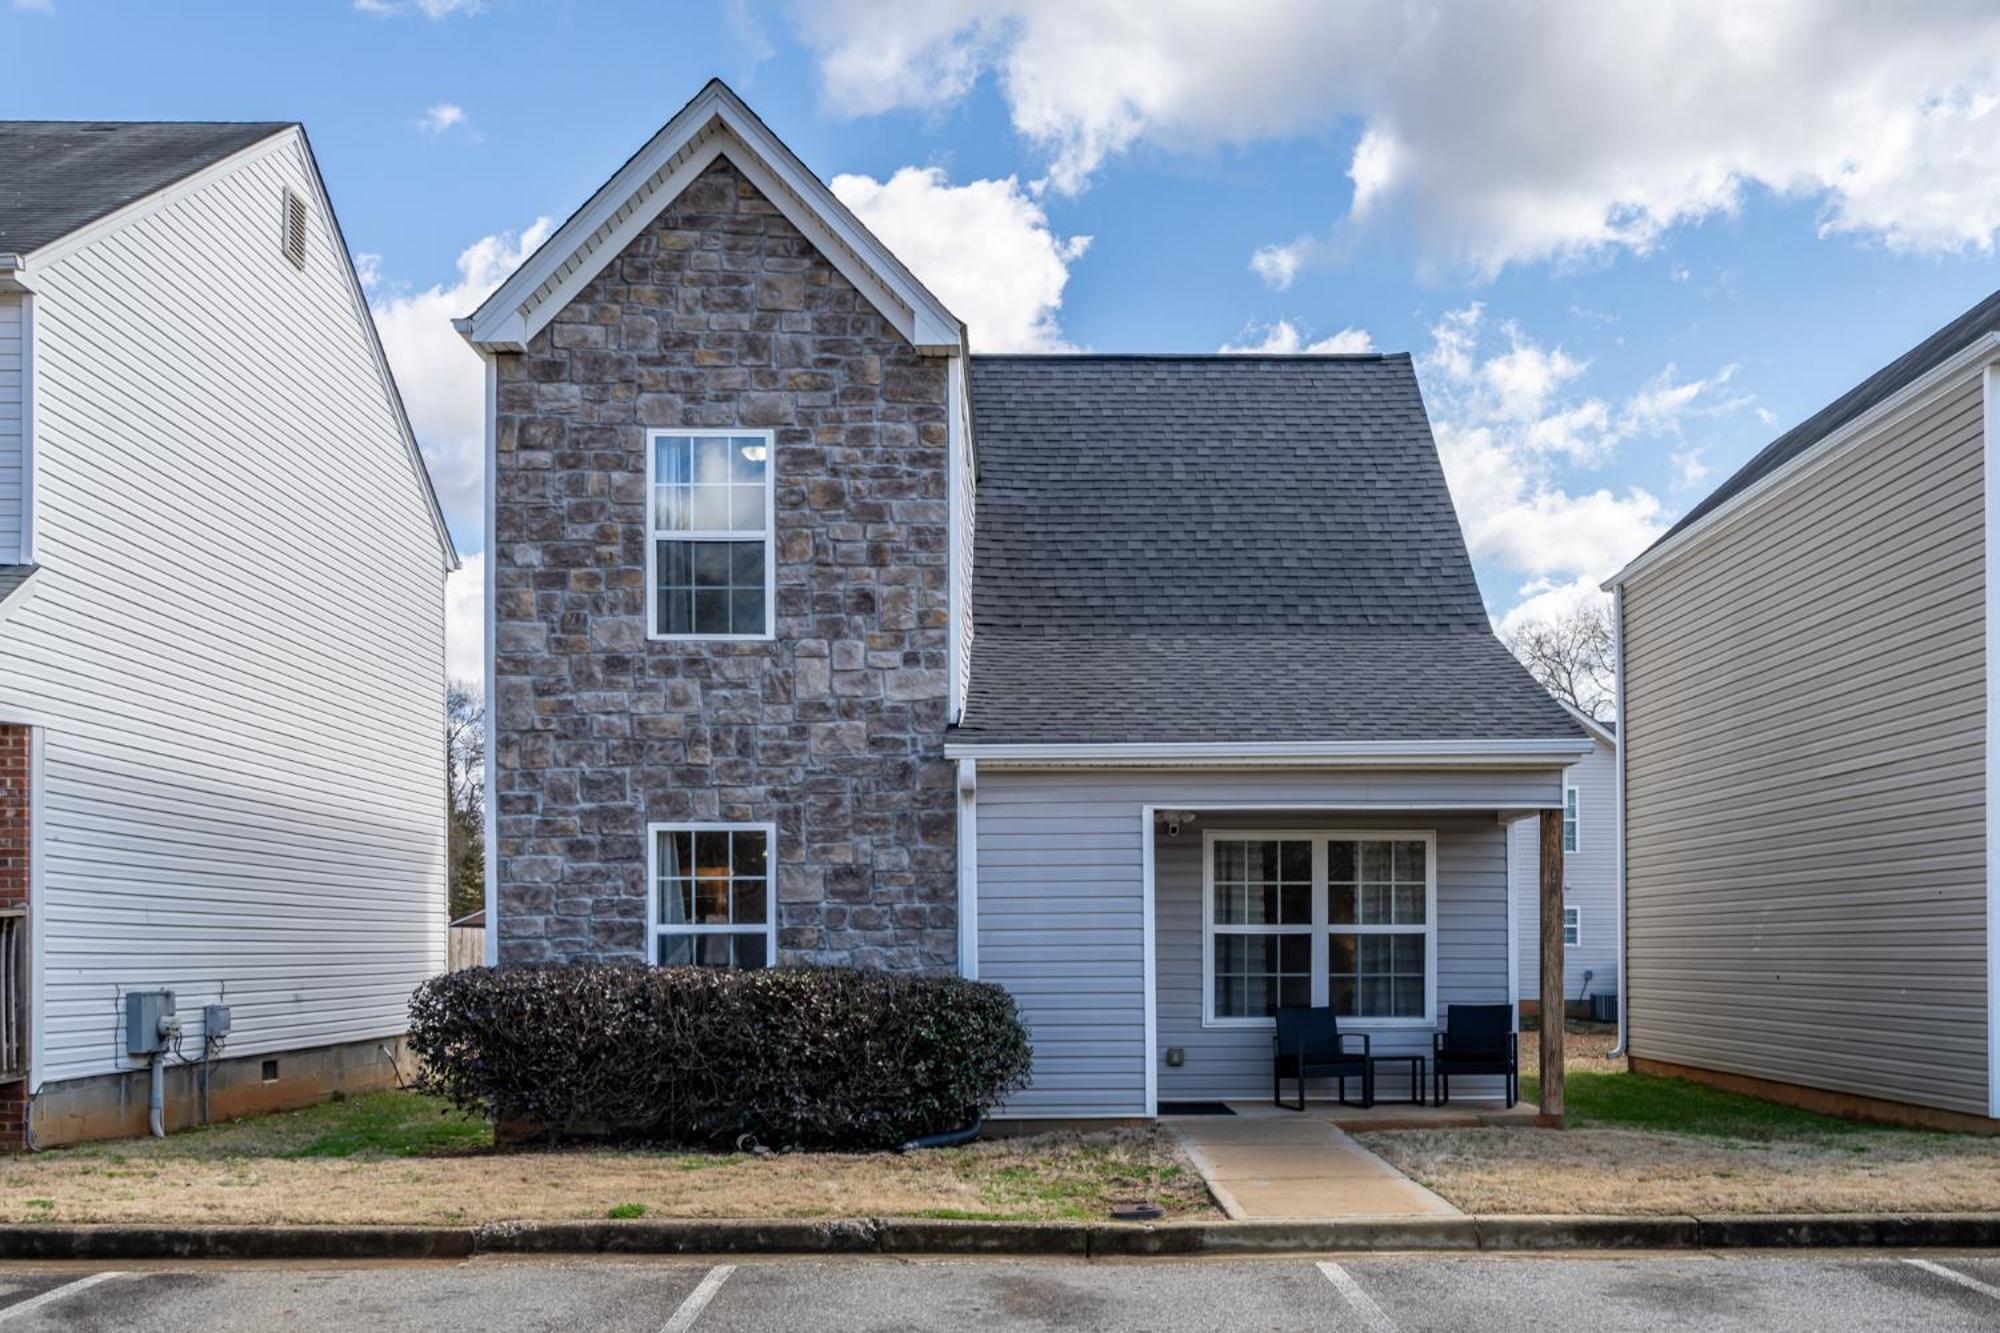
465,796
1572,654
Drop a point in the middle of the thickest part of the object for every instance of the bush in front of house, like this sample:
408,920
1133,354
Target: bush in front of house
791,1057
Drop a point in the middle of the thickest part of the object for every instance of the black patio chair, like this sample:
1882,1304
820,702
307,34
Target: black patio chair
1309,1044
1477,1039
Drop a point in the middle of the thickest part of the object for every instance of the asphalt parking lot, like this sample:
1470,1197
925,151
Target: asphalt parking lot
1373,1293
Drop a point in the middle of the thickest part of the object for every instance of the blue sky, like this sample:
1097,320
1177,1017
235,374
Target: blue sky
1628,246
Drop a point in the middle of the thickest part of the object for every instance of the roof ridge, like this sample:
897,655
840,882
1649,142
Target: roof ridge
1305,358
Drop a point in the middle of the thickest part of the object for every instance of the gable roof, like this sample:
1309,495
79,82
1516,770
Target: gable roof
1978,324
1225,549
714,123
59,175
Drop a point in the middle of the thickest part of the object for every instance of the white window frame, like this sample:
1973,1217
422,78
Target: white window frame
1321,928
1572,925
655,928
1572,819
769,536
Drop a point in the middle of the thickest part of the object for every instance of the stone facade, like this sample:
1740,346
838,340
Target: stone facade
722,314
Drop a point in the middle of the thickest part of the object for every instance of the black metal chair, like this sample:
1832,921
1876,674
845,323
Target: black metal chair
1477,1039
1309,1044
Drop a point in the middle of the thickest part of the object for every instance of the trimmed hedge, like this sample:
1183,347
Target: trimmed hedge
791,1057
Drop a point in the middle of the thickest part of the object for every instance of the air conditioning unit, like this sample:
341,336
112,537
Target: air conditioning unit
1604,1008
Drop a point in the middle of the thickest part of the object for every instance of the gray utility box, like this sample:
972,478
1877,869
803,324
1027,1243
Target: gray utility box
145,1026
214,1020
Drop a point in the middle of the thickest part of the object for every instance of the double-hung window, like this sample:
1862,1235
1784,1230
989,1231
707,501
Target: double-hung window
1572,819
709,557
1572,926
1340,919
713,901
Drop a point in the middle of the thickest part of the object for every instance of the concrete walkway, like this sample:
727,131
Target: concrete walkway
1265,1163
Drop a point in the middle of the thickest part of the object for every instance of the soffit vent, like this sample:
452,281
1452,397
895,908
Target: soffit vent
294,239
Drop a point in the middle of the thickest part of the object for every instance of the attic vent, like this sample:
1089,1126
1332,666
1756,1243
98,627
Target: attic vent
294,239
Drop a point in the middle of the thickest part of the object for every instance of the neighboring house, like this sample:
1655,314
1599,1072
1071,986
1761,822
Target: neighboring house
1807,723
221,640
1156,689
1590,881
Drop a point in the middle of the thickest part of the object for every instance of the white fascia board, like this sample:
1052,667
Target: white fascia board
716,121
1990,467
1591,724
1912,396
1311,754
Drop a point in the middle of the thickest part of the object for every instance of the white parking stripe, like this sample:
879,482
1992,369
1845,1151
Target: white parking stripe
54,1294
698,1299
1358,1300
1983,1288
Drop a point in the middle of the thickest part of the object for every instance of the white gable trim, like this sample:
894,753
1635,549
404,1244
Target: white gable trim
1531,753
715,123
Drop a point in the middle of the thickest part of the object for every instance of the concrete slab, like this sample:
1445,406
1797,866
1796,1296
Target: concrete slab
1289,1165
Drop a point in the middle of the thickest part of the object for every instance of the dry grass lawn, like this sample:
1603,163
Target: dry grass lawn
1649,1145
394,1157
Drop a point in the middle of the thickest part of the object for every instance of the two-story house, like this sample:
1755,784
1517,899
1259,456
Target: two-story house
1156,689
221,640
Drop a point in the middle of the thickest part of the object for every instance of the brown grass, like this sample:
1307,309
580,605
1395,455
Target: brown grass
1630,1171
1049,1177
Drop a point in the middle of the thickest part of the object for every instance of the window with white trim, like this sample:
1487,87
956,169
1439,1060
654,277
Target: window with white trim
709,550
1572,926
713,899
1572,818
1338,919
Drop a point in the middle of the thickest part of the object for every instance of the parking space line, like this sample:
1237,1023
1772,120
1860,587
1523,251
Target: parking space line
1983,1288
54,1294
1357,1300
698,1299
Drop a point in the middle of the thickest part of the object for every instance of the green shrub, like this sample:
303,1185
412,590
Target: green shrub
791,1057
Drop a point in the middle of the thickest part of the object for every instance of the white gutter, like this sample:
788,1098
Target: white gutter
14,272
1333,754
1618,798
1977,353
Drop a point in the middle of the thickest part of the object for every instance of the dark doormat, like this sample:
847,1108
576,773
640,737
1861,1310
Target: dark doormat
1195,1108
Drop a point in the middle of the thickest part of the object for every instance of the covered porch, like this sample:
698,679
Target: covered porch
1149,923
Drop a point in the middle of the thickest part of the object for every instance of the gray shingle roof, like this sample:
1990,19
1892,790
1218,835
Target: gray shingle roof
1912,365
59,175
1225,548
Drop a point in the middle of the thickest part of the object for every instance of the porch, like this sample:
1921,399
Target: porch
1150,923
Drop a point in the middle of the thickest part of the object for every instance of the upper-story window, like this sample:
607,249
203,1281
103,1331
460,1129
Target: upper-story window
709,562
1572,819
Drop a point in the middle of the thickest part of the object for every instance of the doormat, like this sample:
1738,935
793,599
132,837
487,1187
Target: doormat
1195,1108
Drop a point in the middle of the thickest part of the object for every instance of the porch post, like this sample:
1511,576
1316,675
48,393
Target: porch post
1552,966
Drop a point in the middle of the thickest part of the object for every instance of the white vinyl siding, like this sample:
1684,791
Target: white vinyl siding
1805,714
236,643
1062,923
1590,884
13,425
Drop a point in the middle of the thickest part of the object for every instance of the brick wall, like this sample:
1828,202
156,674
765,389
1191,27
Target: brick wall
16,764
721,314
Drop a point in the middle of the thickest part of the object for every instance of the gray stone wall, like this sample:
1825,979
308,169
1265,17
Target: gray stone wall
722,314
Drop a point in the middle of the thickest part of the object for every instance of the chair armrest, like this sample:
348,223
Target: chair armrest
1437,1043
1514,1047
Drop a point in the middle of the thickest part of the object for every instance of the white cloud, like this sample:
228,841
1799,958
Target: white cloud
441,380
1689,469
1497,133
437,119
36,6
984,248
1512,427
1284,337
1278,265
465,621
368,268
1549,599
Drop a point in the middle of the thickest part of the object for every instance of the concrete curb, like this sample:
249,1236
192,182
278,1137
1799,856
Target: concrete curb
1068,1239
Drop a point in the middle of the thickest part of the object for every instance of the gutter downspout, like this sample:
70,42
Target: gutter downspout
1618,855
968,869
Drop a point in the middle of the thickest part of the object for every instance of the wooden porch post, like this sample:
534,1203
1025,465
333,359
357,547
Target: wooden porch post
1552,967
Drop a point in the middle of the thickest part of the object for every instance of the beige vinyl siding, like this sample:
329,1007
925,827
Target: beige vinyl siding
1062,894
13,423
1804,723
1590,883
236,642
